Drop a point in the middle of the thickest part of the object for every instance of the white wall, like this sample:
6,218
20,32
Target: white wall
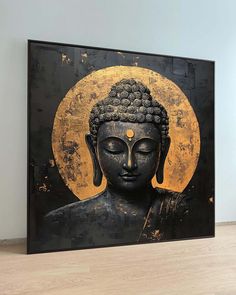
201,29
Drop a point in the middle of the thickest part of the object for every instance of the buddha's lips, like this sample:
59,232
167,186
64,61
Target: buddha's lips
129,176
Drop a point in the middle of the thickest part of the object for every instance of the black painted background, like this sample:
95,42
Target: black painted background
50,78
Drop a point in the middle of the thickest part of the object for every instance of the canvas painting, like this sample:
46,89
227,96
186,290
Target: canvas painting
120,147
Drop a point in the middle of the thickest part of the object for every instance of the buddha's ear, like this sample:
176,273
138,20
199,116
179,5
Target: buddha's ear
163,154
97,172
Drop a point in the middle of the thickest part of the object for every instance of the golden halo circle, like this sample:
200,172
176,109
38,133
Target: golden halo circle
71,124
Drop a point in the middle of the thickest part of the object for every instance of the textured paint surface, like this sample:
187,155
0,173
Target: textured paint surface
64,83
71,124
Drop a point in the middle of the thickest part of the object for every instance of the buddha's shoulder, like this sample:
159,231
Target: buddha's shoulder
79,209
171,203
165,194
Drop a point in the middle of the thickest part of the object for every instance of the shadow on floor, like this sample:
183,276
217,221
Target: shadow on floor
13,249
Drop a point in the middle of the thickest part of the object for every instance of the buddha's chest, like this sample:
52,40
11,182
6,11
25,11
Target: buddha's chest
119,218
115,223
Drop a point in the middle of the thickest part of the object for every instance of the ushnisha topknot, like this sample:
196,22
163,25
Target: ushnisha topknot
129,101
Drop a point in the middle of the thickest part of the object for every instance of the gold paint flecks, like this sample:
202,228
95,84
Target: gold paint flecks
65,59
52,163
43,188
211,200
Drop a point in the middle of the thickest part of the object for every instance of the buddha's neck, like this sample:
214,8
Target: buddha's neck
140,197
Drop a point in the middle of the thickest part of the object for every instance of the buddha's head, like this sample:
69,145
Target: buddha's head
128,139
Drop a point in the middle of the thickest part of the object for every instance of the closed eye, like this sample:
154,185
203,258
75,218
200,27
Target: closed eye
114,152
145,146
113,146
144,152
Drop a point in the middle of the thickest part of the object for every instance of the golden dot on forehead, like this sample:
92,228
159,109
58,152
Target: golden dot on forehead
130,133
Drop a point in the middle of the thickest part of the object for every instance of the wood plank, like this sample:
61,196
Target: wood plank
195,267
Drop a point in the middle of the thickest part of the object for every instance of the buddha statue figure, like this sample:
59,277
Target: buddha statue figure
128,142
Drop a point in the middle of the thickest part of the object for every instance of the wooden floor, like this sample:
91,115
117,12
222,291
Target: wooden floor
203,266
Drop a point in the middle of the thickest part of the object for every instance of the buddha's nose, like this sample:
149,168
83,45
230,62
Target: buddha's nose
130,163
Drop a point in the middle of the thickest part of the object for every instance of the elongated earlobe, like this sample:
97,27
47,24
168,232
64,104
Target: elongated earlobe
97,172
164,152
